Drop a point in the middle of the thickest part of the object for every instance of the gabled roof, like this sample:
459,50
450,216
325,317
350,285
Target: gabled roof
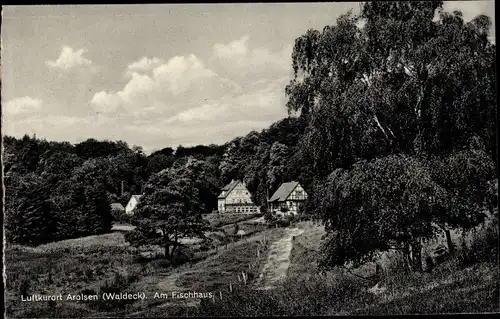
227,189
137,197
117,206
283,191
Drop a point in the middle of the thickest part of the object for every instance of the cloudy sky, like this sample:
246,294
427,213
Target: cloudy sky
155,75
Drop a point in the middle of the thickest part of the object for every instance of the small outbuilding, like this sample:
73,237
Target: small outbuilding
132,203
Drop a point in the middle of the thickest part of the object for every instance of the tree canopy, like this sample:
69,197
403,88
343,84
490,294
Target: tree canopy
171,208
400,106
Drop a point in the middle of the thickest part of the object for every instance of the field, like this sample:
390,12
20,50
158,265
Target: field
284,257
452,287
95,264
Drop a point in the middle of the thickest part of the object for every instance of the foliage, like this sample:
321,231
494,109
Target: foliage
397,84
171,208
28,217
66,188
91,148
400,133
466,175
388,203
483,246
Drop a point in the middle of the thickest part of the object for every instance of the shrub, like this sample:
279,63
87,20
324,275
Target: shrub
88,291
269,216
181,256
119,215
284,209
483,246
161,263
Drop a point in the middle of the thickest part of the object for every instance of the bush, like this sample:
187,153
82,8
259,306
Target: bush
24,287
483,247
268,216
160,263
181,256
284,209
118,215
206,245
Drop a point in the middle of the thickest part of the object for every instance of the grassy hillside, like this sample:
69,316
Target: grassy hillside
102,263
468,282
456,286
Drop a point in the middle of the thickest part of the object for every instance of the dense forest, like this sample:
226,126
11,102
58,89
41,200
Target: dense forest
391,131
56,190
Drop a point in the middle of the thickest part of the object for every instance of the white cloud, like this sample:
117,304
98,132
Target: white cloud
181,82
143,65
185,101
22,105
69,58
136,88
265,103
180,72
237,57
235,49
470,9
105,102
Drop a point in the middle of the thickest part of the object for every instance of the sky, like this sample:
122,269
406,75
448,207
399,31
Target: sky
156,75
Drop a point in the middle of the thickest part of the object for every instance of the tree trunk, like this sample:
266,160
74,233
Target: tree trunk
174,248
416,248
407,256
167,251
451,247
175,244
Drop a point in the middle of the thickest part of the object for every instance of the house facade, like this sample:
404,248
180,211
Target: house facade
235,198
132,203
289,195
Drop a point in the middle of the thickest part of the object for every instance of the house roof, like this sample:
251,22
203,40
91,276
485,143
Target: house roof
227,189
117,206
283,192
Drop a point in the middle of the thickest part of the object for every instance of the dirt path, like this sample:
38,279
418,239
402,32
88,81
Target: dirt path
168,283
278,260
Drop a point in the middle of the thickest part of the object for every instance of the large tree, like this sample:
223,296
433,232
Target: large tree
28,216
404,82
395,89
388,203
171,208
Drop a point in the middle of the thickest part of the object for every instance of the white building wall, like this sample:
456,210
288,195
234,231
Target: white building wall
130,206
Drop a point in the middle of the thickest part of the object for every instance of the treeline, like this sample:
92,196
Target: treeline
56,190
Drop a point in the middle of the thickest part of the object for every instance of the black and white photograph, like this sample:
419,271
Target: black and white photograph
249,159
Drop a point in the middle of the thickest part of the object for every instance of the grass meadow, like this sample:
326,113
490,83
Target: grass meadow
465,282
